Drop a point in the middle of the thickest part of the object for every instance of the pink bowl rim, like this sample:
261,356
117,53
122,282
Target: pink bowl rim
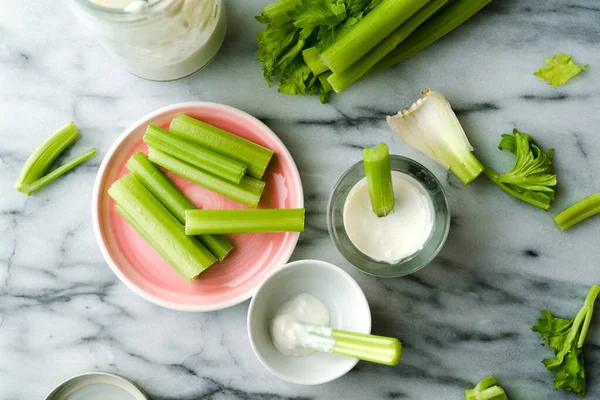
96,199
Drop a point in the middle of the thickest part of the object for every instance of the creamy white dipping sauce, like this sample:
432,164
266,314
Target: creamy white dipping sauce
401,233
286,327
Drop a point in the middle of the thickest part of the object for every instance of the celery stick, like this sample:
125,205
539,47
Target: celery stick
324,79
378,349
311,58
44,155
368,32
439,25
63,169
162,230
378,170
198,222
277,13
169,195
255,157
344,79
198,156
248,191
579,211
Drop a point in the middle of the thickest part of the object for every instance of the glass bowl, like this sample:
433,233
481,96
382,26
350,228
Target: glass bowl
411,263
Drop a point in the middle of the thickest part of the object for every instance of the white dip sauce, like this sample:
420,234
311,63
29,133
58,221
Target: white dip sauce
401,233
286,328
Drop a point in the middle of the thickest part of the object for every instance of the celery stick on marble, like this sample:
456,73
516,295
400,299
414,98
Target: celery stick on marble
198,156
248,191
311,58
32,177
579,211
199,222
171,197
378,171
255,157
160,228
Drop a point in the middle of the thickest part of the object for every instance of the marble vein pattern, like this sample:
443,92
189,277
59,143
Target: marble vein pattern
467,315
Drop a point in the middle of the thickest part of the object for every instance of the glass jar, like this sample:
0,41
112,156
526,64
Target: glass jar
415,261
156,39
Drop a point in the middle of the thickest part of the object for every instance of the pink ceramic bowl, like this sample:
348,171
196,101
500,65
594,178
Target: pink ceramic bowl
255,256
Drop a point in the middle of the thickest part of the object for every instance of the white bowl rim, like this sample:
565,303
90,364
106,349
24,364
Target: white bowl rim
322,264
96,197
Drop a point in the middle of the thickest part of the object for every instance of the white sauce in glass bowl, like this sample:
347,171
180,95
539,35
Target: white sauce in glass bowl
401,233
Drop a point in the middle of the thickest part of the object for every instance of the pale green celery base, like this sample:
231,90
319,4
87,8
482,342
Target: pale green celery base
578,212
467,168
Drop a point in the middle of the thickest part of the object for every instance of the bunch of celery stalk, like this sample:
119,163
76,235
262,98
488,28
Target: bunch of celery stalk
191,240
316,46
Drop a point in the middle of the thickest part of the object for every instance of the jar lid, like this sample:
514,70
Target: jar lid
97,386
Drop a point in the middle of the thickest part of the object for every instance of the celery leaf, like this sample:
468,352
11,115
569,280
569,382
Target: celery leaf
559,70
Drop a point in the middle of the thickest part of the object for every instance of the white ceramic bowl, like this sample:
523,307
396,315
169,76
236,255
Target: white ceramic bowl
341,294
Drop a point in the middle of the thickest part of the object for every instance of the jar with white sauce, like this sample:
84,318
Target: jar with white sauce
156,39
401,243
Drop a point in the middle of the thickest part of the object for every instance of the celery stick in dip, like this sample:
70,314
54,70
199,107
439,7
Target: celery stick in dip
401,233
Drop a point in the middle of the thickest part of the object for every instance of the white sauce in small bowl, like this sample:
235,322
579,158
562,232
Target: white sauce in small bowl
401,233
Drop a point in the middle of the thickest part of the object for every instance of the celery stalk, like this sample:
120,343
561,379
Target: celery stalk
277,13
368,32
579,211
63,169
377,349
311,58
199,222
324,79
248,191
162,230
378,170
344,79
171,197
198,156
435,28
255,157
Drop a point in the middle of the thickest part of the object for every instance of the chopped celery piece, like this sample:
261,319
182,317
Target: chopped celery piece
485,383
248,191
579,211
198,156
324,79
160,228
368,32
435,28
198,222
378,170
378,349
278,12
311,58
344,79
255,157
171,197
486,389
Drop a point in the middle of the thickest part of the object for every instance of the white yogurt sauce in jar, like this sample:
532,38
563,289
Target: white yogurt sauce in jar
401,233
286,327
156,39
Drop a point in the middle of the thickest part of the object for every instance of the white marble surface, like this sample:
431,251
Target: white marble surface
469,314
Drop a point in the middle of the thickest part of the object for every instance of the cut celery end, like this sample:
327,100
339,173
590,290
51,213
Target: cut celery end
578,212
199,222
343,80
377,349
200,157
162,230
467,168
63,169
171,197
255,157
368,32
44,155
378,170
324,79
311,58
248,191
485,383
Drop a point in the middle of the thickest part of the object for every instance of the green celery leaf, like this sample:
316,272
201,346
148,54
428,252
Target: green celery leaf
294,81
272,43
314,13
559,70
570,376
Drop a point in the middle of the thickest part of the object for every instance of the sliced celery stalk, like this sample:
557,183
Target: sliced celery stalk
199,222
255,157
485,383
63,169
162,230
171,197
492,393
311,58
378,171
344,79
324,79
579,211
435,28
368,32
248,191
377,349
198,156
